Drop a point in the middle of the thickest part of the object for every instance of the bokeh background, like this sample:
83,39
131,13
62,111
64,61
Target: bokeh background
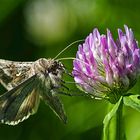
31,29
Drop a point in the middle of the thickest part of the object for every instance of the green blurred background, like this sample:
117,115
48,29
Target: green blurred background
31,29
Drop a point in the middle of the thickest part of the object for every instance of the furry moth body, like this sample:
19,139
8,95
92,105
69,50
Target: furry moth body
27,83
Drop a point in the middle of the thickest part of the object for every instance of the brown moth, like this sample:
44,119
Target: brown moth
27,83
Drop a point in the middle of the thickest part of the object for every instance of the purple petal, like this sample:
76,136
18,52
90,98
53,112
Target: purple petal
103,64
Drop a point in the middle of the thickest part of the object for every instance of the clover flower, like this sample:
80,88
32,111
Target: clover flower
105,68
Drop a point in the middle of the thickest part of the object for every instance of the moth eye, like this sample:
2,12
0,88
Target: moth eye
54,72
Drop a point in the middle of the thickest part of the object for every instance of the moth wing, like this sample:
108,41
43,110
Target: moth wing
55,104
19,103
13,73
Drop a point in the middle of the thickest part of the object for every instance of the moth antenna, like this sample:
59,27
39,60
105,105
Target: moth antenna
72,58
77,41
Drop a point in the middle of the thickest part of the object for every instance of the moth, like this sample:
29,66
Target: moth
27,83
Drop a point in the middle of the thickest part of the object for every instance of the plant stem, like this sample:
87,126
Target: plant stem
113,123
120,135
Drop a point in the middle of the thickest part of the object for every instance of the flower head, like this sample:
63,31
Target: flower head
106,68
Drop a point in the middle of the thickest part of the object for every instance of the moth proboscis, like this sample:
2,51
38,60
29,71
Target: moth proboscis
27,83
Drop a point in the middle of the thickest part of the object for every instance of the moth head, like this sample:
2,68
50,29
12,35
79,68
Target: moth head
55,68
50,67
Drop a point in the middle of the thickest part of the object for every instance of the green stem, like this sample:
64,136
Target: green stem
113,123
120,135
